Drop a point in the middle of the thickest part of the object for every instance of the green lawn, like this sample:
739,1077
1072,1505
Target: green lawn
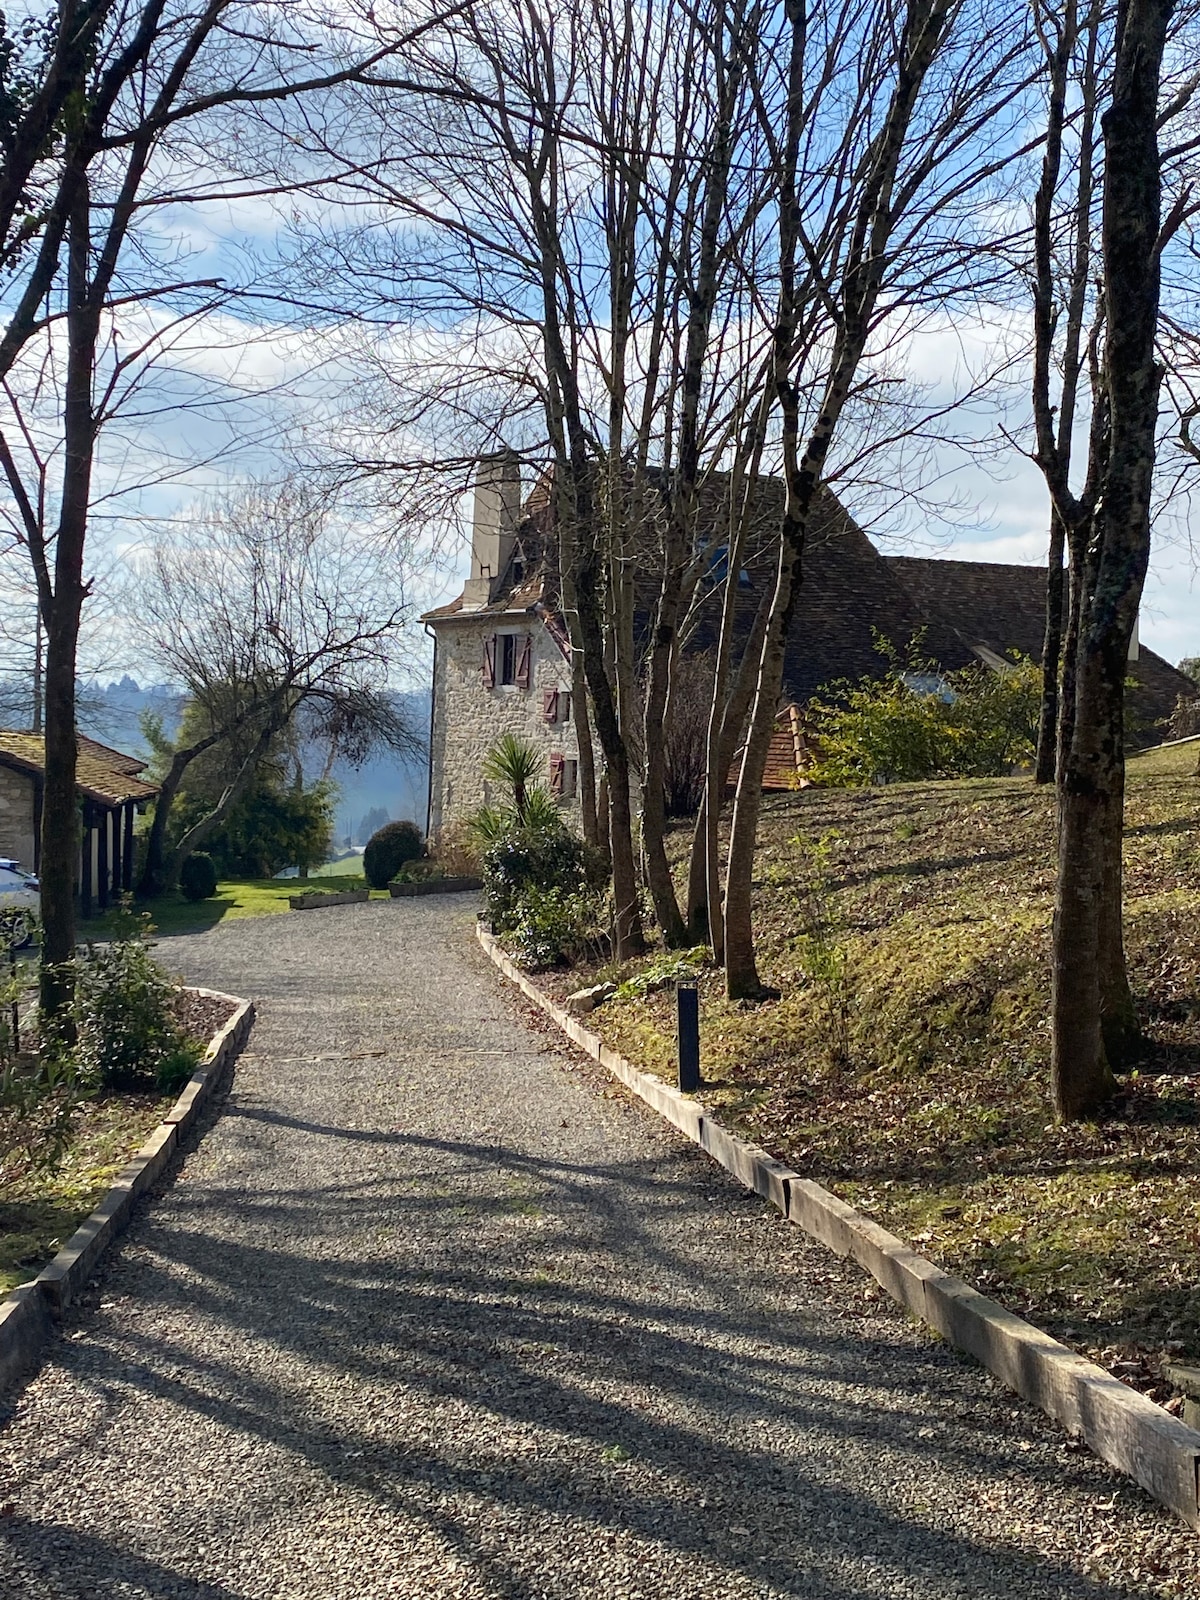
235,897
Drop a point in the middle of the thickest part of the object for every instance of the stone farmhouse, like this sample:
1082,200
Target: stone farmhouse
111,792
502,660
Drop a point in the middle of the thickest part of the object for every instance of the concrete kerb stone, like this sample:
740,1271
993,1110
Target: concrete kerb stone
1120,1425
25,1326
26,1315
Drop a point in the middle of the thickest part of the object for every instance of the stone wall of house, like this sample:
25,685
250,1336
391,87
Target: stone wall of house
468,718
16,816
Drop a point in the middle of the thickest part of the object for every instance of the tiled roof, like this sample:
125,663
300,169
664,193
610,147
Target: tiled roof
116,759
850,599
96,772
1002,608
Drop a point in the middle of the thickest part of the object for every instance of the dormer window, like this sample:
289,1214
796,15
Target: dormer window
718,567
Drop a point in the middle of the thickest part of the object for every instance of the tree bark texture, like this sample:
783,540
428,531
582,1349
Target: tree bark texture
1047,739
60,810
1087,997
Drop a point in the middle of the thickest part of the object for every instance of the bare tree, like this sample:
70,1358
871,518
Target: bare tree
1092,1010
905,95
272,620
138,78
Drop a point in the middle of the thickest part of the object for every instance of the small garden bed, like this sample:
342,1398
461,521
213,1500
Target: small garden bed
44,1200
906,1064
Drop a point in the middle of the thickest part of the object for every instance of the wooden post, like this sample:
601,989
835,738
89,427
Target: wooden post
114,822
104,829
127,853
85,864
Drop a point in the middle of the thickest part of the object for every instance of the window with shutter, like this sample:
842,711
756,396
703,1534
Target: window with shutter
558,768
564,705
549,705
570,784
506,658
524,675
489,662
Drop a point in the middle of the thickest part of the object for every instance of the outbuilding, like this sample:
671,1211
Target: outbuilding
111,792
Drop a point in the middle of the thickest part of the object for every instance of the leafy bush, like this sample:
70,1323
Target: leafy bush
388,849
419,872
39,1098
916,723
274,825
198,876
673,966
531,858
551,927
124,1014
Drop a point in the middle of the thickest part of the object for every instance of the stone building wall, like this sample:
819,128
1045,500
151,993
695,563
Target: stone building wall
16,816
468,718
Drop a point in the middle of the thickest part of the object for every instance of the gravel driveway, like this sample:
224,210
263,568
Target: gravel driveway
433,1310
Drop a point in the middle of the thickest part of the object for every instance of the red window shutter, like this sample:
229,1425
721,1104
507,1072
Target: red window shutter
558,767
489,661
549,705
525,664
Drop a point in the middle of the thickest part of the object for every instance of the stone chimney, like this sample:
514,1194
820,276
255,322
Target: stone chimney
493,524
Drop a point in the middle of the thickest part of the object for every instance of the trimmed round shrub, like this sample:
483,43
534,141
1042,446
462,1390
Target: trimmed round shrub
388,849
198,876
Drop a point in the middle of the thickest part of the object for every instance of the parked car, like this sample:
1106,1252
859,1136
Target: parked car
20,904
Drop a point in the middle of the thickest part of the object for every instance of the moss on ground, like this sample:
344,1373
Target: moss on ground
40,1210
906,1064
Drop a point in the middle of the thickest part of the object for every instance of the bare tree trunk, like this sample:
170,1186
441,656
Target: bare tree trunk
727,719
1047,739
154,878
60,812
925,23
1056,435
1086,980
587,755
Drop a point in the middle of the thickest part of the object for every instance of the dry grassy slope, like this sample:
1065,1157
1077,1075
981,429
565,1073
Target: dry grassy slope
906,1063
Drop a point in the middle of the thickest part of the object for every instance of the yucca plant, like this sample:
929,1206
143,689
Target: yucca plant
486,824
513,762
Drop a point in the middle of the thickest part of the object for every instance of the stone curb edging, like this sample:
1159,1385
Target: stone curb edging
27,1313
406,891
1122,1427
315,899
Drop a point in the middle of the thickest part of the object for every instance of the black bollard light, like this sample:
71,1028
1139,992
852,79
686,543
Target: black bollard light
687,1001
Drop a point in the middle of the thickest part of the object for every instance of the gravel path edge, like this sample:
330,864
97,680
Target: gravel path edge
27,1314
1118,1424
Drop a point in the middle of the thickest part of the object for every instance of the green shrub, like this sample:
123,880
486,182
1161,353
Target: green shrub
532,858
419,872
124,1013
388,849
198,876
916,722
552,928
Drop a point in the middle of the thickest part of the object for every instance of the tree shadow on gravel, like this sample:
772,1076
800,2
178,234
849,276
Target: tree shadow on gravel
65,1563
580,1369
